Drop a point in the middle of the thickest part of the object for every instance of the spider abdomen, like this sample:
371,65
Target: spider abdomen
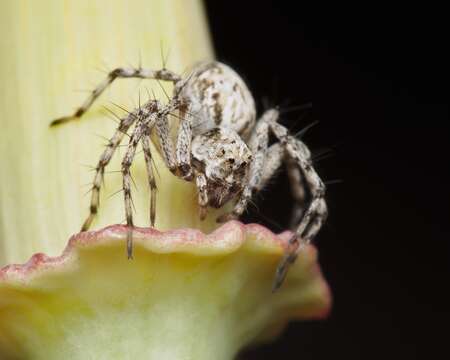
218,97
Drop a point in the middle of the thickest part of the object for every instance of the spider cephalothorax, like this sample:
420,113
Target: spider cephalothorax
223,159
219,145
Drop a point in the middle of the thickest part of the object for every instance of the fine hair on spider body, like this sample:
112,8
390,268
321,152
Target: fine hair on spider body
219,145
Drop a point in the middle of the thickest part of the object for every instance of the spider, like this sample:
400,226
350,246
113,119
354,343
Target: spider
219,145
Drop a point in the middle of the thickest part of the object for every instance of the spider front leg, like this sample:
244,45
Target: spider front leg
174,160
168,152
315,212
184,139
177,159
163,74
151,177
126,165
298,192
153,115
105,158
275,156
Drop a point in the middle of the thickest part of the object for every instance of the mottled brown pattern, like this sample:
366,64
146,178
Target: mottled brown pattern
217,109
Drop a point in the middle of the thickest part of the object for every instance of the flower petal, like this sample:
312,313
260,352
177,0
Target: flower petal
184,294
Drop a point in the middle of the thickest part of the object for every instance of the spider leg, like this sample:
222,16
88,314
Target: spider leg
165,141
151,177
126,164
167,148
315,212
105,158
158,117
273,161
201,182
177,159
121,72
274,157
183,147
153,115
314,218
297,190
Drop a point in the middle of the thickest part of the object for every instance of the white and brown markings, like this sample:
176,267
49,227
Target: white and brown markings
219,145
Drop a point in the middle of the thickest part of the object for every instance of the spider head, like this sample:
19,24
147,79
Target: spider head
225,160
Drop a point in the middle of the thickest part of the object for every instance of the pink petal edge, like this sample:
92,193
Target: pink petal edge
229,237
165,241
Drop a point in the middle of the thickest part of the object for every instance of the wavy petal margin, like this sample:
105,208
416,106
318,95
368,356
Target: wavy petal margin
185,295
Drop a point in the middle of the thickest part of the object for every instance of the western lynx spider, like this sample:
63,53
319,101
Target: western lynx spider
219,145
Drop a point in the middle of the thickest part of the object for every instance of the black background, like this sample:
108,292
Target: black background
378,79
